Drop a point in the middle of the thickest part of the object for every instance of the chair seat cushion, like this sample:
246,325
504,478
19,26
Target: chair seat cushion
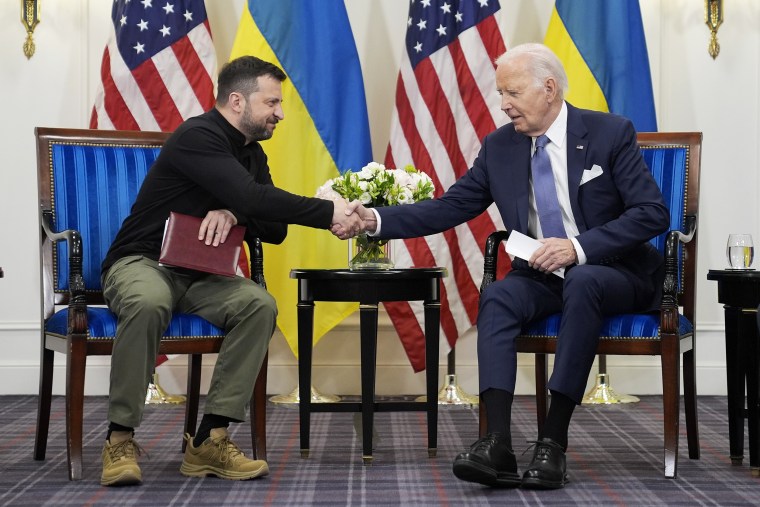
631,325
101,325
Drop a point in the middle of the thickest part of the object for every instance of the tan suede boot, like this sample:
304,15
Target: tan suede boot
219,456
120,466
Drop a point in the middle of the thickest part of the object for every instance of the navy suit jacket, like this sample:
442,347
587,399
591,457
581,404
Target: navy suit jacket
617,212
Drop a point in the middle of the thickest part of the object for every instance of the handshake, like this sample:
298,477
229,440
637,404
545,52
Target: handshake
351,218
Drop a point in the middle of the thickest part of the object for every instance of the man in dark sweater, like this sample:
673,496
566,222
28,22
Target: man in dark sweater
211,167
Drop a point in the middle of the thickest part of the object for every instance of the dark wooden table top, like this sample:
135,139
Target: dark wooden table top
368,274
730,275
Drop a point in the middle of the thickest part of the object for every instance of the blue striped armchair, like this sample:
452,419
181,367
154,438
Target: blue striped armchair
87,181
674,159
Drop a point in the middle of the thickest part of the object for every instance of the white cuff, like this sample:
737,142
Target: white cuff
579,252
377,229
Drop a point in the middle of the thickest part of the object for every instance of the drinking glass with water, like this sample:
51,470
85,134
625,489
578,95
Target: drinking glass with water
740,251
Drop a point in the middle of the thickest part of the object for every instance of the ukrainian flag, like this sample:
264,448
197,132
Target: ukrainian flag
325,132
602,46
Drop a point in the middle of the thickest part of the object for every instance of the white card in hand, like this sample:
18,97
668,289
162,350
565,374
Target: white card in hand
523,246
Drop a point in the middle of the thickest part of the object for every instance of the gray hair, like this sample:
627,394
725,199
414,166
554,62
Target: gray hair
543,64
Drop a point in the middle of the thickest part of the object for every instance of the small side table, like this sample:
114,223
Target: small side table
368,288
739,291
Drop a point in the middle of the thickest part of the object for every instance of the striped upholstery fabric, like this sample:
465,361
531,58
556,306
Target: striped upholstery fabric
102,325
93,189
628,325
669,168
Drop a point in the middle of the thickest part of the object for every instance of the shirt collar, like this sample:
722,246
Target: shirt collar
557,131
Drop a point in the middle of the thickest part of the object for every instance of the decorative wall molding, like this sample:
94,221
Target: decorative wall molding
336,368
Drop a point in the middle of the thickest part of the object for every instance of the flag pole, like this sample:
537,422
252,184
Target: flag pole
602,393
157,396
451,393
294,397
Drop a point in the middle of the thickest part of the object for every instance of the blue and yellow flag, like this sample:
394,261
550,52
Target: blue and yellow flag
325,132
604,51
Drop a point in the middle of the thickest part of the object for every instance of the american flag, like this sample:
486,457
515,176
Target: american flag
446,102
157,67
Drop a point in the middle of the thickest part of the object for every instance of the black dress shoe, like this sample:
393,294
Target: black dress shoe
489,461
548,469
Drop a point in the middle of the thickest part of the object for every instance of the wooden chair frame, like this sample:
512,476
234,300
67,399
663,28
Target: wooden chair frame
76,344
670,345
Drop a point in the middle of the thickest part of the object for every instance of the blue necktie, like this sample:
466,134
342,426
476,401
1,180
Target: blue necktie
549,213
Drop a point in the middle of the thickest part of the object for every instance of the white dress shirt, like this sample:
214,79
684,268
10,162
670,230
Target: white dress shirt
557,151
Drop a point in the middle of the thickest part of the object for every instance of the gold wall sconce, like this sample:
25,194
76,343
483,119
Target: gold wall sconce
30,18
713,19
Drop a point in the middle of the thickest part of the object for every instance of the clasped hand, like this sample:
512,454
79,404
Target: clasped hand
553,254
351,218
348,220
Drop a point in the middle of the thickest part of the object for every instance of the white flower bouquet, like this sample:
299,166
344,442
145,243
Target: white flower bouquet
375,186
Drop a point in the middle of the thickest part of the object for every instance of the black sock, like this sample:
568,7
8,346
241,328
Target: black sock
209,422
498,412
117,427
558,419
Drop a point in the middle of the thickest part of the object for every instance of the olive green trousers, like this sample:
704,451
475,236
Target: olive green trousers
143,296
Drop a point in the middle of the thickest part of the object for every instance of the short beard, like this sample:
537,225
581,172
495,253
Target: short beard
255,131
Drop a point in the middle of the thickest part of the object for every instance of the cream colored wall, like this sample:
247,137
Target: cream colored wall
692,92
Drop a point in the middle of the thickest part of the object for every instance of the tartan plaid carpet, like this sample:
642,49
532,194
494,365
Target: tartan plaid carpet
615,459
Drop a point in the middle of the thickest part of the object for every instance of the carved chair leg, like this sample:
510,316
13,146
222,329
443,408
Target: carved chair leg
541,393
670,361
193,394
76,365
690,403
44,402
259,413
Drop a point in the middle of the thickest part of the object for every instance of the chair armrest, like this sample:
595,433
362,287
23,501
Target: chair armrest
490,257
691,228
46,217
257,262
77,297
669,306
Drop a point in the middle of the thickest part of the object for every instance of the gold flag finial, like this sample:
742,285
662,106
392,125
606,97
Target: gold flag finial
30,17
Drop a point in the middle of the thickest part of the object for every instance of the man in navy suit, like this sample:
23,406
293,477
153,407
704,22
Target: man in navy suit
607,207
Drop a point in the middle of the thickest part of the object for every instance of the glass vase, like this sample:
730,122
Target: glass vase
366,252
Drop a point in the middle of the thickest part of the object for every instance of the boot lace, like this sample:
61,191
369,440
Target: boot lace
127,449
227,450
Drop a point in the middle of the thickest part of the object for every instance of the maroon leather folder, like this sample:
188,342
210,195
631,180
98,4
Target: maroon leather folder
181,247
